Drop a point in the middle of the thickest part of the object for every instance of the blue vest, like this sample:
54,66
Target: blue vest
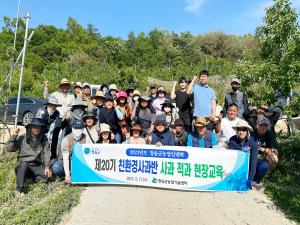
207,139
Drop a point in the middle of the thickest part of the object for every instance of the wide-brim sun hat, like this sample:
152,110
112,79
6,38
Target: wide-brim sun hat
89,114
144,97
167,102
78,84
99,94
136,92
36,122
122,94
242,124
78,103
52,101
64,81
200,121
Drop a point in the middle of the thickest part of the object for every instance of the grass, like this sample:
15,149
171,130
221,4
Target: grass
283,185
45,203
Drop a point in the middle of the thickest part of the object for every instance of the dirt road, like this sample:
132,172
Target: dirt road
114,205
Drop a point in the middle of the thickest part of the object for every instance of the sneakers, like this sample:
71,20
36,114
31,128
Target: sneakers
258,186
19,194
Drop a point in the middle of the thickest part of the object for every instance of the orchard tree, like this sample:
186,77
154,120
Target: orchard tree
278,69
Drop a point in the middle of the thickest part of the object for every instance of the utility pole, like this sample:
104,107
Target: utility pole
27,17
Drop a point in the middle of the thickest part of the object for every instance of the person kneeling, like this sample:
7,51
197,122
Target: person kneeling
201,137
61,167
34,153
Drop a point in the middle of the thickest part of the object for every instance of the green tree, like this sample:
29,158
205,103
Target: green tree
279,66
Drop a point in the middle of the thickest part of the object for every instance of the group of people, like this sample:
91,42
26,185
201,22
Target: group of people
188,116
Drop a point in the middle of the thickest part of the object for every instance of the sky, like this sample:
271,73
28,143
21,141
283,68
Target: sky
119,17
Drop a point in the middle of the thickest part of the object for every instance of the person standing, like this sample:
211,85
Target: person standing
204,98
237,97
183,102
64,98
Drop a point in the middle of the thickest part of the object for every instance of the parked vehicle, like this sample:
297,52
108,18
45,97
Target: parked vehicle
27,110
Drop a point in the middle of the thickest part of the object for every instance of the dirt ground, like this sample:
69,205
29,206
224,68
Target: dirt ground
116,205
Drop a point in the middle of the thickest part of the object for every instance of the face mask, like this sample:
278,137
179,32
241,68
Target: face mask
77,133
167,109
135,98
78,112
122,101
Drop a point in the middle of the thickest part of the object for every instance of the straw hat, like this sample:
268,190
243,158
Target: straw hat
199,121
113,87
99,94
136,92
64,81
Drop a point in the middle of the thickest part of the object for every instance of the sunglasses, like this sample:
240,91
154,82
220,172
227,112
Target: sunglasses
243,129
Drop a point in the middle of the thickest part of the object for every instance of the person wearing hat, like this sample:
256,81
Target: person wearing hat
113,90
201,137
237,97
64,98
130,91
91,129
105,135
135,98
204,98
86,95
34,153
51,118
61,167
267,150
161,135
78,90
99,102
183,102
160,99
123,108
109,116
153,92
180,135
135,135
144,114
169,110
104,89
244,142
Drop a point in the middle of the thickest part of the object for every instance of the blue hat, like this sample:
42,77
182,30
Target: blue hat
77,124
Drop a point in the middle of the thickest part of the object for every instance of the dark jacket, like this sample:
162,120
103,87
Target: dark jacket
165,138
33,152
273,115
110,118
181,139
248,145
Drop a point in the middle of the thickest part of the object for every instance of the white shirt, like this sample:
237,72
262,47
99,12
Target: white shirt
226,129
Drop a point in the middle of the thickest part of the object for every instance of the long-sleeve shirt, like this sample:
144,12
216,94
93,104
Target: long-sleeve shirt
248,145
31,152
165,138
65,99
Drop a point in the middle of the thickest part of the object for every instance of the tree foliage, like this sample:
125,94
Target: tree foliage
278,67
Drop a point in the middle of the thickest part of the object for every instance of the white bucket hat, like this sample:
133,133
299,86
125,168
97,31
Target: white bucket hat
243,123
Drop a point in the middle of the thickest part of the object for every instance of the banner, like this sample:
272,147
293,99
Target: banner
185,168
